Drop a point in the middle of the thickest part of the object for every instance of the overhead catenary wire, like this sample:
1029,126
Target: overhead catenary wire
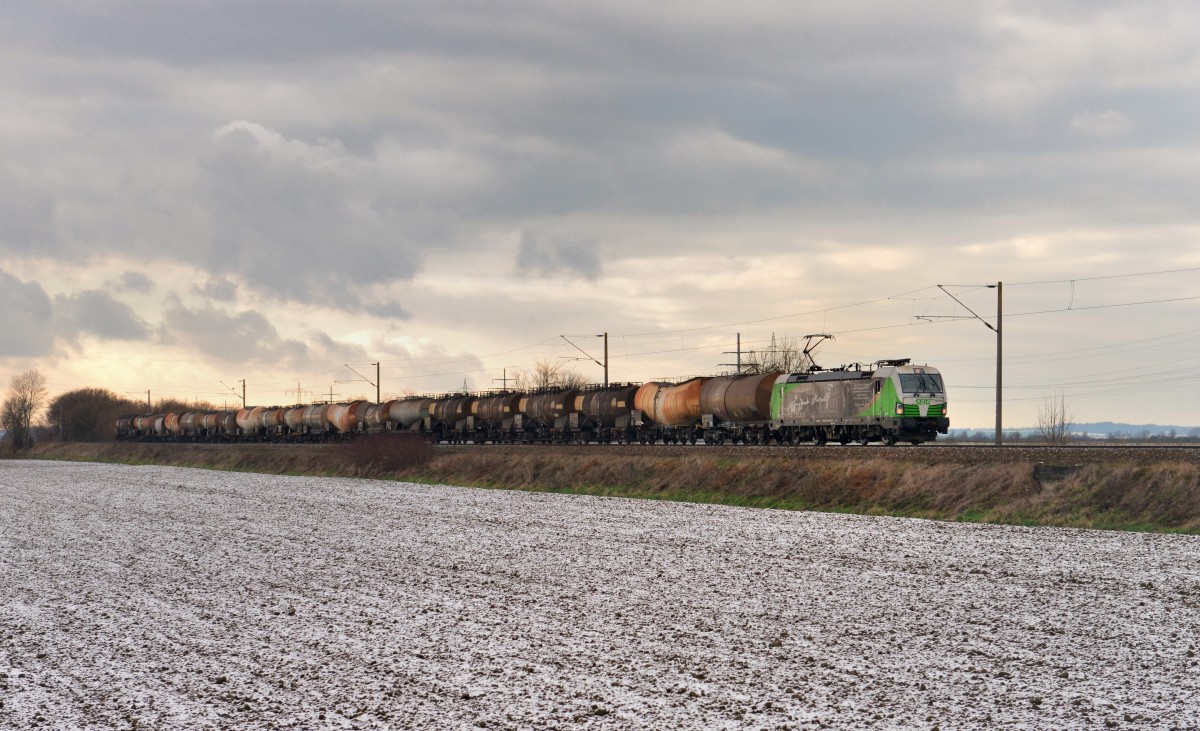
1124,346
1171,384
727,326
1105,276
1137,374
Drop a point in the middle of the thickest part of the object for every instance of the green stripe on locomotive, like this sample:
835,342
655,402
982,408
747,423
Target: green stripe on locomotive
914,410
885,401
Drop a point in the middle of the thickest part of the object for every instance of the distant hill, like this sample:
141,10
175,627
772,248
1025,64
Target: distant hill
1100,429
1133,430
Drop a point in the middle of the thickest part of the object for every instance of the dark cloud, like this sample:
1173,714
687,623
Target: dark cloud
325,347
26,216
27,329
97,313
385,309
192,32
295,221
217,289
702,39
249,336
244,335
136,282
546,257
374,137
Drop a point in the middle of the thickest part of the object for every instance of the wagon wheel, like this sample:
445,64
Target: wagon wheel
889,440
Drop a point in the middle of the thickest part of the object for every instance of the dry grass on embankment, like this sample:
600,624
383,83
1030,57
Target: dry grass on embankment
1157,495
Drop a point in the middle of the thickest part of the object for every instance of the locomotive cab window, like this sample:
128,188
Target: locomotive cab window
921,383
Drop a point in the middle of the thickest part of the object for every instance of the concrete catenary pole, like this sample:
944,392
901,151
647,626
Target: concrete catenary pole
998,329
999,363
606,360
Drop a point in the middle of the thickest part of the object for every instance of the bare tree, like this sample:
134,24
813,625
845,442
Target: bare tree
548,374
179,406
787,355
782,355
25,397
1054,423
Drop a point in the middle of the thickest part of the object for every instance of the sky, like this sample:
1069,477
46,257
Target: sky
196,193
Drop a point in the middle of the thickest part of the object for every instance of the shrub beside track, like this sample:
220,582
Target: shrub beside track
1101,487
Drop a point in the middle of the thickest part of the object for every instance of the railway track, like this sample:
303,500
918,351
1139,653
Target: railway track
928,453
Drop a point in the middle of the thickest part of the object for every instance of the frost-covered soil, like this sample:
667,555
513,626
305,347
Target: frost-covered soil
160,597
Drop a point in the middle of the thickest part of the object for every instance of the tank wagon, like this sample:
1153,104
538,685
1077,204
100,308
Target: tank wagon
605,414
738,409
889,401
496,416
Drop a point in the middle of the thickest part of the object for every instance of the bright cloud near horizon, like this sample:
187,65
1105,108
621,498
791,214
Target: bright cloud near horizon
196,193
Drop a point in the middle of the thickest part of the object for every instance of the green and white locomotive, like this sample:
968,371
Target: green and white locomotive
893,401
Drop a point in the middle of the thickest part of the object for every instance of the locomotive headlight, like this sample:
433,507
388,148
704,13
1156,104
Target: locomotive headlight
899,408
945,409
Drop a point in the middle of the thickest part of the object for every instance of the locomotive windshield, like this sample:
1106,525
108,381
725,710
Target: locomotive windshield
920,383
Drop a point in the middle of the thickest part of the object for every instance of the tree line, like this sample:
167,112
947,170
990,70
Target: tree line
82,415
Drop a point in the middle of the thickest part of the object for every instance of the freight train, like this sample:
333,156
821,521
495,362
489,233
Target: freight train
890,401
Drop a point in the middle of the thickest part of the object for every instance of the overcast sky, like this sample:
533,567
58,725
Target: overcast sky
195,193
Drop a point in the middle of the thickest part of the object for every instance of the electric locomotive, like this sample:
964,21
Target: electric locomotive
891,402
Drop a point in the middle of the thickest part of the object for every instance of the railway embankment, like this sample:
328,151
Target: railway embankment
1103,487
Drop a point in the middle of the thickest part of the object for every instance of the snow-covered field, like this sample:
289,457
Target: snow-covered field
158,597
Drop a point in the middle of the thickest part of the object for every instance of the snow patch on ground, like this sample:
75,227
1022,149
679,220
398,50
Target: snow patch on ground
166,598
